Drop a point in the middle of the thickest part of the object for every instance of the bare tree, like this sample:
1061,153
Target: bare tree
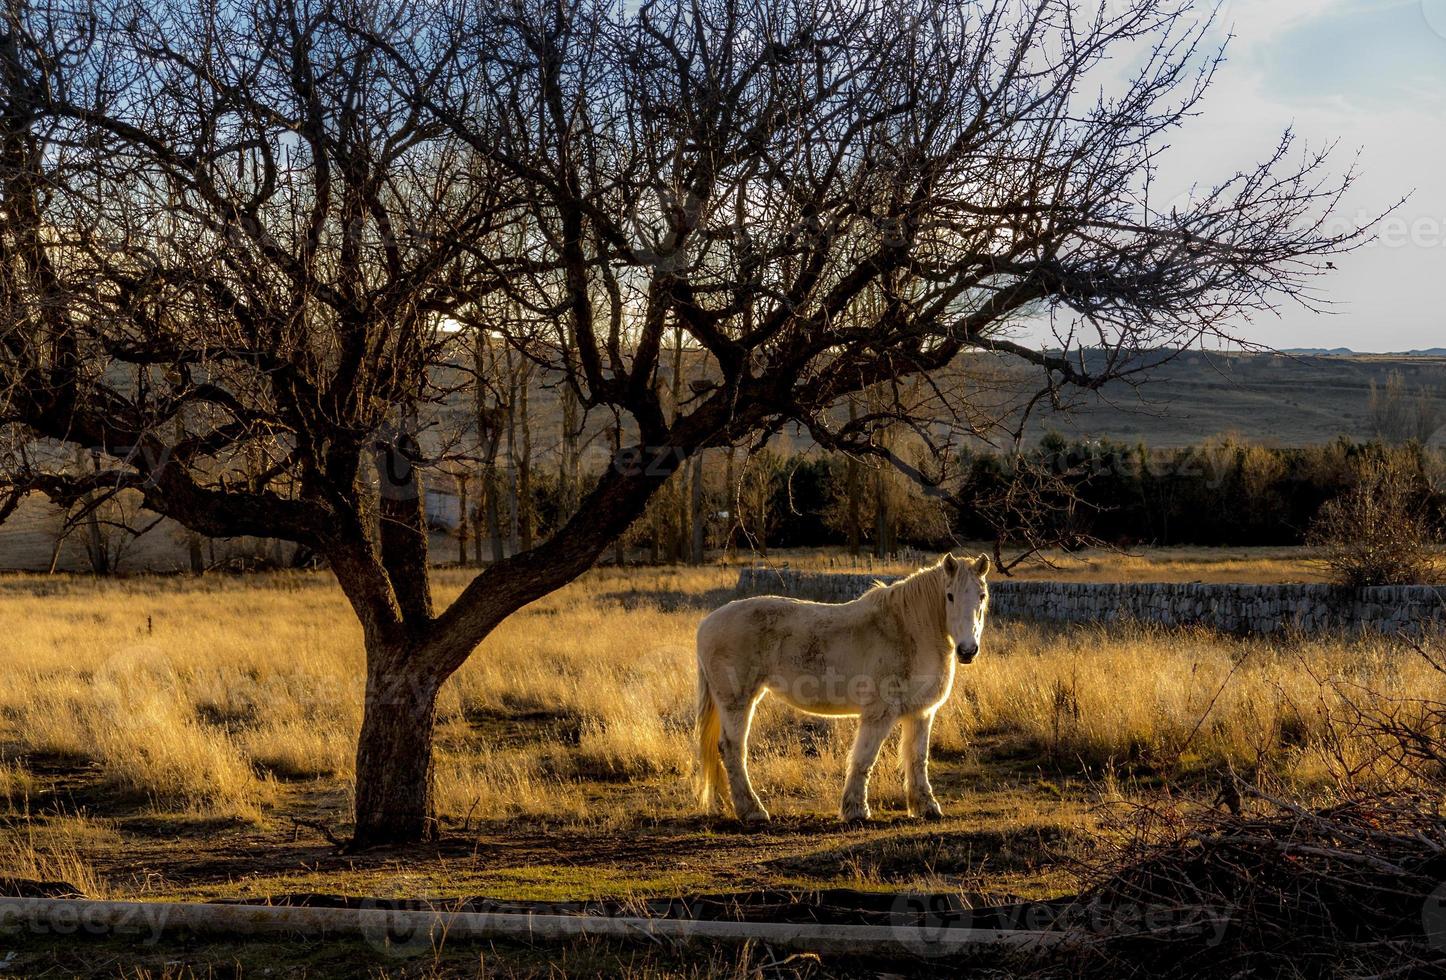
1380,531
229,223
262,223
1397,415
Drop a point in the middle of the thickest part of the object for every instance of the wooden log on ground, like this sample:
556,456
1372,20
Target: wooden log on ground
152,921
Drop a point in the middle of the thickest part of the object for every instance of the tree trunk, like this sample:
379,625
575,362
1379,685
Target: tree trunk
618,553
494,512
479,524
695,508
462,520
567,474
55,553
682,527
881,514
394,802
489,441
854,489
732,495
512,456
525,518
96,545
678,546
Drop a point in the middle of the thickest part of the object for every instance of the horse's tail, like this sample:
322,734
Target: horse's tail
710,762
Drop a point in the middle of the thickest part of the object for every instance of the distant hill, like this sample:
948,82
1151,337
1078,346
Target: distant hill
1284,399
1347,352
1279,399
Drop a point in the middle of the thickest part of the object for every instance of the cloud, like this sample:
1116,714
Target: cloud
1257,22
1370,76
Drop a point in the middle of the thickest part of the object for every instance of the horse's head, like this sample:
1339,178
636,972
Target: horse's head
966,600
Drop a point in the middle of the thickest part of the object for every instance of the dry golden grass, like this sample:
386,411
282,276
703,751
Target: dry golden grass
1188,700
212,698
507,783
17,785
56,852
229,686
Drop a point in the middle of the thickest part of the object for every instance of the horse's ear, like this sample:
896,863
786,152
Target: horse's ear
983,566
951,564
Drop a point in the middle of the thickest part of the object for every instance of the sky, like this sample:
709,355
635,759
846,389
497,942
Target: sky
1370,74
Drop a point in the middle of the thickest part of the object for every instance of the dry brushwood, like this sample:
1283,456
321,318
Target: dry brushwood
1353,889
1381,531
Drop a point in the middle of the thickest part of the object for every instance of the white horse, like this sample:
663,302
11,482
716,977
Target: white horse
888,656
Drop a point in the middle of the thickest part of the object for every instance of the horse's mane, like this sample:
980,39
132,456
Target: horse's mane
918,599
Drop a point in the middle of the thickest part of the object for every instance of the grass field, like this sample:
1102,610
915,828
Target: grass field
162,736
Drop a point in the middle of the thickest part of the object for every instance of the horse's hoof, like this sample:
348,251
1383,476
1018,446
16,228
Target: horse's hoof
758,818
855,816
931,813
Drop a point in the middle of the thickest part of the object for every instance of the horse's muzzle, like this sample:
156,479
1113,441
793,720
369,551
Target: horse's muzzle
966,652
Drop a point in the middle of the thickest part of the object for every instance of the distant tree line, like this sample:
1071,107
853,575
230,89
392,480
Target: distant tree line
1220,493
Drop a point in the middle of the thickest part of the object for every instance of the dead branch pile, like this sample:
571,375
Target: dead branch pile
1356,889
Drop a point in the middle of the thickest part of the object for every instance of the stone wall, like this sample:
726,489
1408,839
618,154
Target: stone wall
1232,608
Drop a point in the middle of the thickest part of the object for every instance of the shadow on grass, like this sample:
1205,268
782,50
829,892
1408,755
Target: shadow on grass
961,854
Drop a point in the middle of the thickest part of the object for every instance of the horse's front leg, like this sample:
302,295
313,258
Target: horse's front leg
873,729
914,754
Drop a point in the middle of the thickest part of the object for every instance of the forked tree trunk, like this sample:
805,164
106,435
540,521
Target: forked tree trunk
394,799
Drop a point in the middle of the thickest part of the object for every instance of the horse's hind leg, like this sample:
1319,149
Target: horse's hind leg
914,754
735,717
872,732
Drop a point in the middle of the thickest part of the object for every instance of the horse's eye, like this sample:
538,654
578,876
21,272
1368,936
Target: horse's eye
949,596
